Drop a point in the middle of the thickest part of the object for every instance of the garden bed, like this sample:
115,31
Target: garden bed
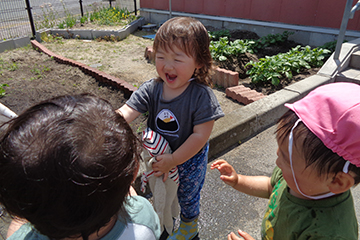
33,76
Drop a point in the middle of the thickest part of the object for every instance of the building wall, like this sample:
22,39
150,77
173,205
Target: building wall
316,13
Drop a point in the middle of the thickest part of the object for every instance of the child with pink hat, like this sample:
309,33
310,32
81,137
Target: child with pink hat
318,162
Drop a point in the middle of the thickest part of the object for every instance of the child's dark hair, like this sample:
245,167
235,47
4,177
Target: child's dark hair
189,35
313,149
66,165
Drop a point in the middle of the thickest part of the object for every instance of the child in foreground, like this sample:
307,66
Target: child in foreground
182,108
66,168
318,162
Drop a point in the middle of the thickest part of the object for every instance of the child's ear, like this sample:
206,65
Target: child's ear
341,183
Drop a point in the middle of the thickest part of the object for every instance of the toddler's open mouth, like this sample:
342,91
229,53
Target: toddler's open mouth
170,78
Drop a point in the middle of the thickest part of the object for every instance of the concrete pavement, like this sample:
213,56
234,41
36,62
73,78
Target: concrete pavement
224,209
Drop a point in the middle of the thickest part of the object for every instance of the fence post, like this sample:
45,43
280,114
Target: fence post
81,8
170,12
342,30
135,7
28,8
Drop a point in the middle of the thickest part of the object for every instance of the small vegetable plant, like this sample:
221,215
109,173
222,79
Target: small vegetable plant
222,49
284,65
216,35
2,89
271,39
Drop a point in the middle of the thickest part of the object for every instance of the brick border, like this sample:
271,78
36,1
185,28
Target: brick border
243,94
227,79
103,77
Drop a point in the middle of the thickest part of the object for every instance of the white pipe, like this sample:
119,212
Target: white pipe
7,112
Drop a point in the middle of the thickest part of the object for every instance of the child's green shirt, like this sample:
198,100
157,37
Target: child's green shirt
288,217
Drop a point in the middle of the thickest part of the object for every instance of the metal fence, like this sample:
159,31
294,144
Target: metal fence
16,15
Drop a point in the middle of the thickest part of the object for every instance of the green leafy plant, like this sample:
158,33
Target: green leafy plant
271,39
220,49
8,66
223,49
69,21
284,65
12,66
47,19
111,16
84,18
330,46
216,35
39,72
50,38
46,69
2,89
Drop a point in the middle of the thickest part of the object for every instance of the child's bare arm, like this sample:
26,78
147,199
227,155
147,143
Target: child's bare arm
128,113
15,225
187,150
258,186
245,236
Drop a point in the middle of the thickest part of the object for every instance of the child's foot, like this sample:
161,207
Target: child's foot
186,231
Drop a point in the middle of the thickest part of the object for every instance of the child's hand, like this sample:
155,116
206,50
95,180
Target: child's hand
228,173
163,165
245,235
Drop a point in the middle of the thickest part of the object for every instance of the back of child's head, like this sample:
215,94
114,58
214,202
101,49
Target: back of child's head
189,35
66,165
329,128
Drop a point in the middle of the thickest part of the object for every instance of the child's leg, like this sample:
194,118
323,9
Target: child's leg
192,177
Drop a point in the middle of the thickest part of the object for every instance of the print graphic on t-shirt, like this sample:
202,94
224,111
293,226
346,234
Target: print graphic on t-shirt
167,122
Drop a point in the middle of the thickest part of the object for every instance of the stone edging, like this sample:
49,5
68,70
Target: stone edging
103,77
91,34
14,43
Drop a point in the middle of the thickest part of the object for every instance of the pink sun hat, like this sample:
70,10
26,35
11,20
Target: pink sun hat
332,113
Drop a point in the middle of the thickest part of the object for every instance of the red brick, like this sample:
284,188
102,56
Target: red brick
149,54
222,77
225,78
233,79
243,94
215,76
127,88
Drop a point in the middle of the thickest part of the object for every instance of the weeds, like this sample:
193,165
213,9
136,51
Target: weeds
12,66
8,66
49,18
111,16
2,89
39,72
50,38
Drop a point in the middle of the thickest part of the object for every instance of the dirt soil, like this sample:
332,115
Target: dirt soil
33,76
